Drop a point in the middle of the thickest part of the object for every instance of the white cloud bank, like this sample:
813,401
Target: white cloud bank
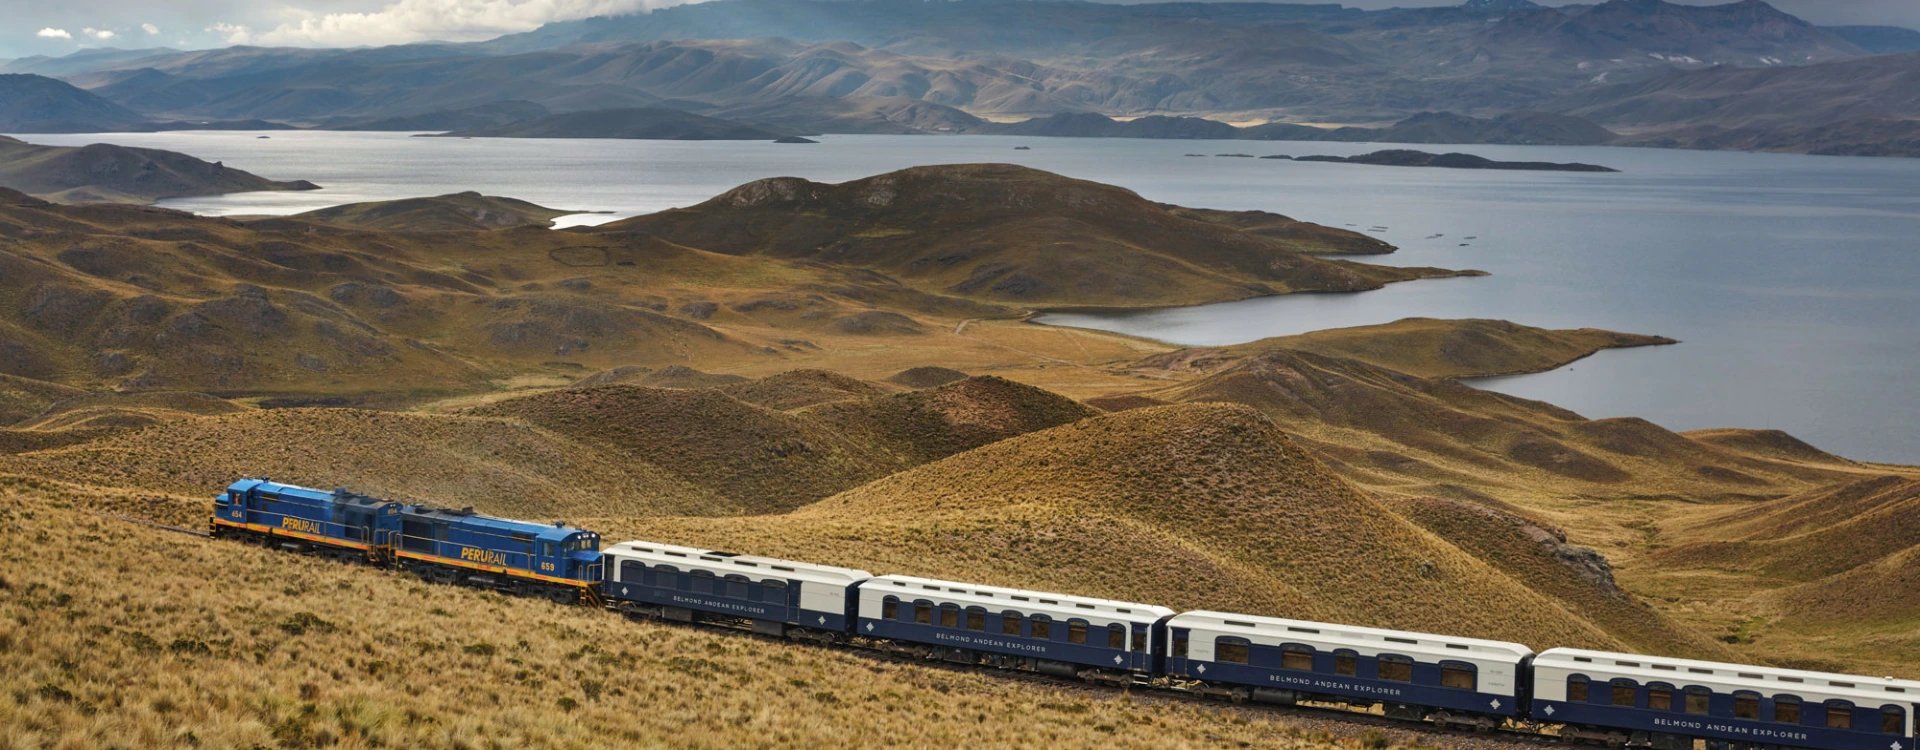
53,33
405,21
100,34
233,33
151,29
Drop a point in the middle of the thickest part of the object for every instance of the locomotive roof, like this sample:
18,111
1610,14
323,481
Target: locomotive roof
1862,690
305,493
552,532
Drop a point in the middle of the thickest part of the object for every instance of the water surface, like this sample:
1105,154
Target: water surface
1793,281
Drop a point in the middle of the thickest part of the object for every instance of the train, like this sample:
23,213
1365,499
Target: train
1610,698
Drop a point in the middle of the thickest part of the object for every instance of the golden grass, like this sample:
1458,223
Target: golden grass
117,635
508,466
1188,506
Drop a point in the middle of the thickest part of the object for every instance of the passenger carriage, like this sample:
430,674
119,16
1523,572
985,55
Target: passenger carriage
776,597
460,546
1666,703
1072,636
335,523
1412,675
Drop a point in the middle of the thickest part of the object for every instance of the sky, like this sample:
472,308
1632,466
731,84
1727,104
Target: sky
47,27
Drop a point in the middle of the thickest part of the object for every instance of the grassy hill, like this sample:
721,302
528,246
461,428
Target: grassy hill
1111,506
105,173
469,211
1415,436
1811,535
508,466
1427,347
1823,578
1016,235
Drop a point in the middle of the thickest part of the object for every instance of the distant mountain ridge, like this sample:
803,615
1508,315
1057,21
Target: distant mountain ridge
37,104
906,66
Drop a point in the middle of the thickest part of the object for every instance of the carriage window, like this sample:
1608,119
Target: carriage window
976,620
1746,706
736,589
1231,650
1076,631
1010,623
1660,699
949,617
1577,690
1180,645
1786,710
1839,716
1893,720
1624,693
775,592
1116,637
1396,668
923,613
1297,657
890,609
1346,664
1698,699
1140,639
1457,677
1042,629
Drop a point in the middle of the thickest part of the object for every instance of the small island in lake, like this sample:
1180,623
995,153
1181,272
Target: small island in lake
1412,158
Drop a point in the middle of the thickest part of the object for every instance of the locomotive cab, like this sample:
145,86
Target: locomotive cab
573,554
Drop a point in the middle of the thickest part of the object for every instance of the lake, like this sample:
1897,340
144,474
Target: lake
1793,281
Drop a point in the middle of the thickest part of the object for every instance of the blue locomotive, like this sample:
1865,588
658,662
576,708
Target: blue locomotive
438,544
1621,700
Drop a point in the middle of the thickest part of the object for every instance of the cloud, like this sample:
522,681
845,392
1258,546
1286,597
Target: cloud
234,33
404,21
100,34
151,29
53,33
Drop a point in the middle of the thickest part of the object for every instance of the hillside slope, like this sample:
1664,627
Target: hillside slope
1012,234
469,211
38,104
1882,86
507,466
1187,506
220,644
1427,347
117,174
1414,436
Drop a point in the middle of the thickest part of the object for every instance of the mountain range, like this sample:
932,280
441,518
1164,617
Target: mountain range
904,66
